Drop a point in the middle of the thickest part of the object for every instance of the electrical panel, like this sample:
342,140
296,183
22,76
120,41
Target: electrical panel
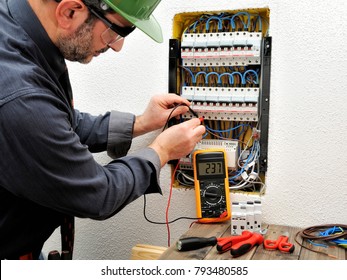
220,61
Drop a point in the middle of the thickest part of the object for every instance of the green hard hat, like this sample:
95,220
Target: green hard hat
139,13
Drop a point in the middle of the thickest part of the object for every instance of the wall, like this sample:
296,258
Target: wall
306,178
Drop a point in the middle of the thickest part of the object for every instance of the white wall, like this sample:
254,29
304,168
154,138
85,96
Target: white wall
306,178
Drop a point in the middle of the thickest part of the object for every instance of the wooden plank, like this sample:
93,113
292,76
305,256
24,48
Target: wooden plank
198,230
273,232
257,253
146,252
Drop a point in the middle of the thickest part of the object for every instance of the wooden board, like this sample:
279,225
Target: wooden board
146,252
198,230
258,252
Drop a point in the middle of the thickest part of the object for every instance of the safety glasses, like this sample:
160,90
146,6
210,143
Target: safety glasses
114,33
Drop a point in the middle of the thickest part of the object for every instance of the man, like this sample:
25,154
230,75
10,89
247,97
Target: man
48,173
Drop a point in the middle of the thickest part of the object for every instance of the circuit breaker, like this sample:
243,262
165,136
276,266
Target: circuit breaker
220,61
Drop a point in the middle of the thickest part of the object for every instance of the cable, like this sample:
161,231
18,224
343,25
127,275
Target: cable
174,108
245,26
214,18
225,130
314,233
255,74
191,73
162,223
185,179
167,222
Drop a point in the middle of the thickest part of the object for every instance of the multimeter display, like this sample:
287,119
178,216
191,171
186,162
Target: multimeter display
210,168
211,185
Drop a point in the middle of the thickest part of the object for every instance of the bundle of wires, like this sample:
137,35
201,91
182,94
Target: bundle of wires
325,234
246,176
225,22
227,77
333,232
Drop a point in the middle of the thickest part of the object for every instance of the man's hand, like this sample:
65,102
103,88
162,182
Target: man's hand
157,112
178,141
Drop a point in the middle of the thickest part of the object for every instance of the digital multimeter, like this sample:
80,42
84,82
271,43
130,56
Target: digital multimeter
211,185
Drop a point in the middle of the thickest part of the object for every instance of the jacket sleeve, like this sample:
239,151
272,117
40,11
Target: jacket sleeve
48,163
112,131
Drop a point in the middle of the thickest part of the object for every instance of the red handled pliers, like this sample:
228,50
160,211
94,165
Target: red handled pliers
239,245
281,244
225,243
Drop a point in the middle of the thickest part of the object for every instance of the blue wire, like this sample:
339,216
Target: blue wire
200,20
234,177
219,23
197,74
191,73
225,130
244,25
317,244
260,24
332,231
232,182
195,24
220,132
214,73
242,79
242,130
249,159
251,71
231,78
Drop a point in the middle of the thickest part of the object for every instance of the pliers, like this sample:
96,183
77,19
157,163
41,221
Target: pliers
241,246
281,244
226,243
237,245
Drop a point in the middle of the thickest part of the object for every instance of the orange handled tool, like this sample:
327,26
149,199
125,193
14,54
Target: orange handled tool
244,246
225,243
281,244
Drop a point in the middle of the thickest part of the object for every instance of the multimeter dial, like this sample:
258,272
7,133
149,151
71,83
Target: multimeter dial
212,193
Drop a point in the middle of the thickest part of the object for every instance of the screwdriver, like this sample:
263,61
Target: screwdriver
193,243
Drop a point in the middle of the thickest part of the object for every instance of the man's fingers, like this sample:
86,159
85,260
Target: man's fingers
172,99
180,110
194,122
198,129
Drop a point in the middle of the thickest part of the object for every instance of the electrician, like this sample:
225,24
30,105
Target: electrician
48,173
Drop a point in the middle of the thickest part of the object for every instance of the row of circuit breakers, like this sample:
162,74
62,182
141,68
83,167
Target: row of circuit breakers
220,61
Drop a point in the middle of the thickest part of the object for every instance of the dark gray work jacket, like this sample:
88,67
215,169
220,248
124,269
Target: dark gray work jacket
46,165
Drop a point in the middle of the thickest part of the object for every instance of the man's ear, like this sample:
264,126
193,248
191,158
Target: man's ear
71,13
